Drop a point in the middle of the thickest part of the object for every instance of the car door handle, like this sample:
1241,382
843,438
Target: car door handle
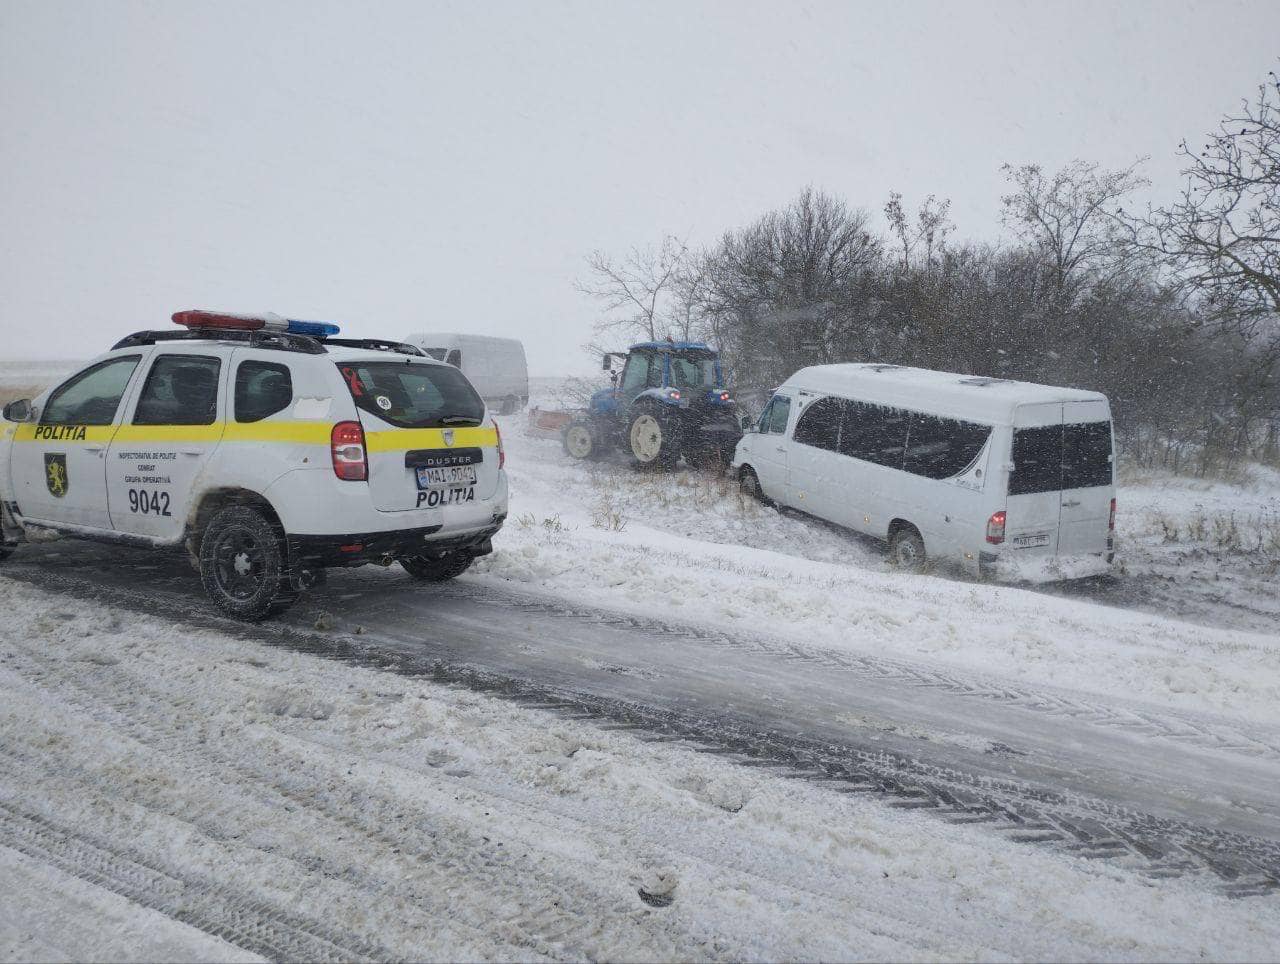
780,448
1070,504
94,448
192,452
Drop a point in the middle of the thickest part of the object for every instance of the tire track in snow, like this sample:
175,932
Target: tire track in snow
1083,826
558,918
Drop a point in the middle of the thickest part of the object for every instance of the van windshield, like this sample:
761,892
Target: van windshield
1057,457
413,395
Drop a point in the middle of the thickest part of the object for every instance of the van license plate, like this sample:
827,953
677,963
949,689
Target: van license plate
1030,542
448,475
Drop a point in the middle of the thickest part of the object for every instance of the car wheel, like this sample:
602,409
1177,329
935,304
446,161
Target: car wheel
509,405
5,551
578,441
906,549
653,440
749,484
436,570
242,564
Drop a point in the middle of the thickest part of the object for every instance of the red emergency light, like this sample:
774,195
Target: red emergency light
223,319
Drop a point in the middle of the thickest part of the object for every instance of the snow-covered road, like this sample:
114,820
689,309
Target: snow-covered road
184,791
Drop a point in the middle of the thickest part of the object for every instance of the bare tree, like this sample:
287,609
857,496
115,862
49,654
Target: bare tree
930,230
636,291
1073,218
1222,237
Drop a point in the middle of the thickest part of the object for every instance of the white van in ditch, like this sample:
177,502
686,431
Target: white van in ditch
495,366
1002,477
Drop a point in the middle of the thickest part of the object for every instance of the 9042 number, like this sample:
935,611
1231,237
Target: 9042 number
149,502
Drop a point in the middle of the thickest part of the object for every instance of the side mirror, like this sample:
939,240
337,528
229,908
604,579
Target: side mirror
19,411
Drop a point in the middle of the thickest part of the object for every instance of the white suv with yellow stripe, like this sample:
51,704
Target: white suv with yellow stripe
271,455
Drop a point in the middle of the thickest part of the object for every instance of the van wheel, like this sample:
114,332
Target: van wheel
749,484
510,405
436,570
906,549
242,564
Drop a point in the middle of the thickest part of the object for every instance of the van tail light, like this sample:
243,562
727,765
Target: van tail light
502,453
1111,521
347,447
995,528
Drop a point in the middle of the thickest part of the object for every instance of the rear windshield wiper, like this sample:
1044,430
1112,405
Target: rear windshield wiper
459,420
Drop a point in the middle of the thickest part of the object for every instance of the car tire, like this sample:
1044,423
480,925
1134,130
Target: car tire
749,484
6,551
906,549
653,440
579,441
441,569
243,564
510,405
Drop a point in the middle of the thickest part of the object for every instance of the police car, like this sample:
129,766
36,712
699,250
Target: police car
270,448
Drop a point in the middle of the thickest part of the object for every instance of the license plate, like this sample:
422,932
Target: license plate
1030,542
433,478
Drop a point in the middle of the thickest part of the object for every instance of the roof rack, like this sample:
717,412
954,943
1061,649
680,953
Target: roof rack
376,344
277,340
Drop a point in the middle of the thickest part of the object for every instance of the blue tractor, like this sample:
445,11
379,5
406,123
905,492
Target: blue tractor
669,400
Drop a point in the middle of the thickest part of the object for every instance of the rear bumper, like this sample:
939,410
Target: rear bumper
1019,567
356,549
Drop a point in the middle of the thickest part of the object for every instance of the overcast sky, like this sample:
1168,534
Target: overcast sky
417,166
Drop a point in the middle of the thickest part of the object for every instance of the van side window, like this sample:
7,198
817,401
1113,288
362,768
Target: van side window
180,390
939,448
819,424
874,433
776,414
262,389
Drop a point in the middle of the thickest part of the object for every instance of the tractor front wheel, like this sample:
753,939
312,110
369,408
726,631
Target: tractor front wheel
579,441
653,441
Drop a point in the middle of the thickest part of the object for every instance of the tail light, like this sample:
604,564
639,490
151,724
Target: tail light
1111,522
502,453
995,528
347,446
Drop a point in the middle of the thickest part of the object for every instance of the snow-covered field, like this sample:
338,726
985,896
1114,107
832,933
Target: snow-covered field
165,786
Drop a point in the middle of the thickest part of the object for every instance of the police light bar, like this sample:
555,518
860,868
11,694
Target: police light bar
267,321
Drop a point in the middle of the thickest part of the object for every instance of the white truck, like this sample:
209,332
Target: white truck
1000,477
495,366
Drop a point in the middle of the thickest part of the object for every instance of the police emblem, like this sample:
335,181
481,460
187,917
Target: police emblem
55,473
448,436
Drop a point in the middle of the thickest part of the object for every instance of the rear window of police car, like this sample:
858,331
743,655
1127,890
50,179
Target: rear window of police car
410,395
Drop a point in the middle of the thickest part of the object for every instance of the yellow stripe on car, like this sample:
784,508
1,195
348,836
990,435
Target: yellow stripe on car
429,438
297,433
